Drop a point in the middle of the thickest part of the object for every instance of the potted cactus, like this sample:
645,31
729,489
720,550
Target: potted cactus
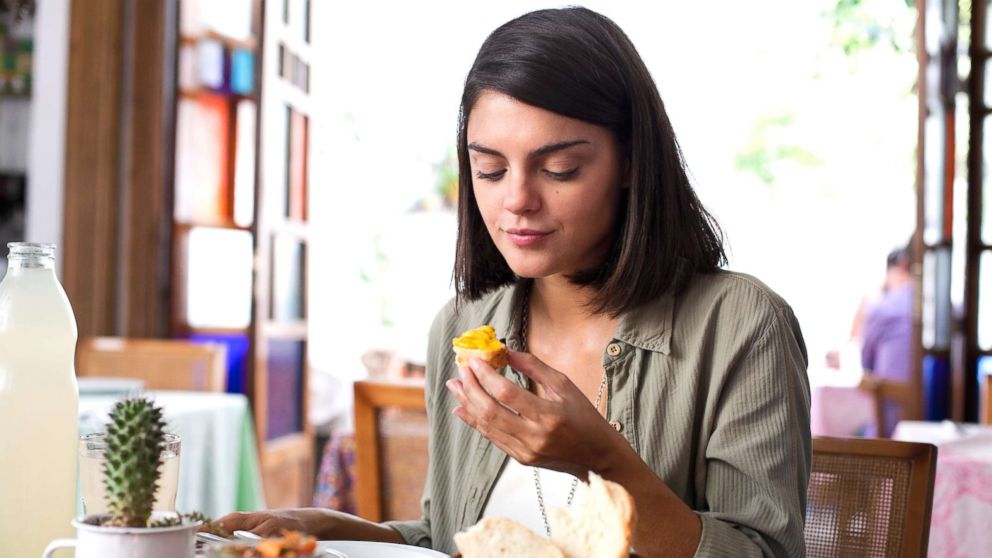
135,437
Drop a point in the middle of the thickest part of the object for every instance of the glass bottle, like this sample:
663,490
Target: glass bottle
39,401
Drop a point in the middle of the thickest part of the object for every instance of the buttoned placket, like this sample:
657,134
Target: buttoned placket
616,358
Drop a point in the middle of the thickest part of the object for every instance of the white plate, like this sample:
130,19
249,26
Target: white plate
364,549
111,386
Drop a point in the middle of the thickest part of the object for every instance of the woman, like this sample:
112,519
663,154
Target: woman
632,354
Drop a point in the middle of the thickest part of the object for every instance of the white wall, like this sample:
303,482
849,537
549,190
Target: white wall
387,83
46,134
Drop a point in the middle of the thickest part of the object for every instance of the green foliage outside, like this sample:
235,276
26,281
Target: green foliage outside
864,36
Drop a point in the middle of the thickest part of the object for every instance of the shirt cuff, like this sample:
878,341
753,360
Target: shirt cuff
719,538
414,533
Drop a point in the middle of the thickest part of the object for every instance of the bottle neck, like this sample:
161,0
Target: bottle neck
31,262
26,255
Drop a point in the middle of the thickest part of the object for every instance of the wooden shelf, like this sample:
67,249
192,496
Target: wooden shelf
249,44
277,356
198,92
218,223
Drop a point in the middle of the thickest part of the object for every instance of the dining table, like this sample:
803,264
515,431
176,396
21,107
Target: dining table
962,494
219,468
837,406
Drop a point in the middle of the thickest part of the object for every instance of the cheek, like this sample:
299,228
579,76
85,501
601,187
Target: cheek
488,204
589,214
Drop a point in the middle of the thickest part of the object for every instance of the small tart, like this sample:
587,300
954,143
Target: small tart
480,343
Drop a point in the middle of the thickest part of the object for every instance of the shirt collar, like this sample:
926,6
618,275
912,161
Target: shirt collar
648,327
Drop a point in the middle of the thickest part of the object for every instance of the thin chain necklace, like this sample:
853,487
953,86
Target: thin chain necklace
525,311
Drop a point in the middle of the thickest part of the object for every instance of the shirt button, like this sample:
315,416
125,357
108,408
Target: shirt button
617,425
614,349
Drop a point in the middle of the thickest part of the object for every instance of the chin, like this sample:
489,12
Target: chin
532,270
529,270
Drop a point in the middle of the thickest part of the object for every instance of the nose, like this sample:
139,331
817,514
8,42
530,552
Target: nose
520,196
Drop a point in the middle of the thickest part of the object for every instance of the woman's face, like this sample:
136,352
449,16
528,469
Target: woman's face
547,186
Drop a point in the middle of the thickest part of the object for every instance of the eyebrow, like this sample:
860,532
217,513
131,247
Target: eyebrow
540,151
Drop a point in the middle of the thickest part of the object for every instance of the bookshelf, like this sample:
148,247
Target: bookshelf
214,178
239,222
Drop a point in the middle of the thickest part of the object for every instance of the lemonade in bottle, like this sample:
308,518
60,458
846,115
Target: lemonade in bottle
39,402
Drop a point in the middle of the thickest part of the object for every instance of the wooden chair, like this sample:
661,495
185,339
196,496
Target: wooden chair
163,364
889,391
869,498
391,434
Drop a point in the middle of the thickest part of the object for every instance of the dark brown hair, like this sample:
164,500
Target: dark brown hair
579,64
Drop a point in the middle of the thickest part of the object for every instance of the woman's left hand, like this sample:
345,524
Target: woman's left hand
559,430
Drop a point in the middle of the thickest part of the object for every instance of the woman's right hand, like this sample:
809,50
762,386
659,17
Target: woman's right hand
322,523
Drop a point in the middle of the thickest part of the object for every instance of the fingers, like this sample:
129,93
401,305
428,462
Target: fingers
554,382
269,528
490,417
503,439
519,400
240,521
266,523
486,411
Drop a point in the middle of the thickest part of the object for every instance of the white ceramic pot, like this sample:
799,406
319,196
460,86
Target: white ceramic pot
94,541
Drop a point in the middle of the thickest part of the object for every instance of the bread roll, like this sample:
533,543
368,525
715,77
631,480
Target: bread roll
600,526
498,537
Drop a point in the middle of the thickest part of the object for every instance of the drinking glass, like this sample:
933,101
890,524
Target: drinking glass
91,458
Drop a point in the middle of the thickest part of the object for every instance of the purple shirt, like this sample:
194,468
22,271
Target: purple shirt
888,342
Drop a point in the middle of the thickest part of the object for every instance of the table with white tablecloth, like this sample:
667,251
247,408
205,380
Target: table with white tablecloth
962,496
837,406
218,465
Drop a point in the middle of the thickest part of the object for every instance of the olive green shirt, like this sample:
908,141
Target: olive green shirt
709,387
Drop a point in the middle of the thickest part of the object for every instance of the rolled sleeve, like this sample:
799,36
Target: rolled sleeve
719,538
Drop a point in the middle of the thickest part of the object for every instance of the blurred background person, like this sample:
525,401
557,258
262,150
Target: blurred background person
887,334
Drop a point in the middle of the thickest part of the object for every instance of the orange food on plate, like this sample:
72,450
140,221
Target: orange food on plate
292,544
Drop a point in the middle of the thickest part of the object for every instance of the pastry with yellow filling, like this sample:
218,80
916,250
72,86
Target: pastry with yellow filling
480,343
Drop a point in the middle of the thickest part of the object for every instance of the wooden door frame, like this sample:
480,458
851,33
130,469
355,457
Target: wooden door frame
118,170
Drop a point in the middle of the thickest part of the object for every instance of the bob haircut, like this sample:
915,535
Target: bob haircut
580,64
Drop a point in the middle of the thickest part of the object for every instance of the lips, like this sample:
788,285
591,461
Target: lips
526,237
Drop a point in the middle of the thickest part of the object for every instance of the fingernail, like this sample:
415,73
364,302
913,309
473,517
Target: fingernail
462,372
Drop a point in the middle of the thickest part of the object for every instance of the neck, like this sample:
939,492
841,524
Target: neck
898,278
557,302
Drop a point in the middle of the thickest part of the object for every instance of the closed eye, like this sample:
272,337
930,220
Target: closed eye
490,175
566,175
